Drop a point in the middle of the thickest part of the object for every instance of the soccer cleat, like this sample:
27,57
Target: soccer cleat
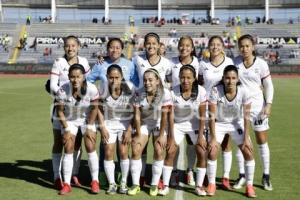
160,184
250,192
240,182
174,179
153,190
266,182
211,189
123,188
135,189
65,190
95,188
190,178
75,181
58,184
164,191
112,189
200,191
226,184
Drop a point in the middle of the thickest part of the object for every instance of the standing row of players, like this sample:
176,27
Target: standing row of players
166,114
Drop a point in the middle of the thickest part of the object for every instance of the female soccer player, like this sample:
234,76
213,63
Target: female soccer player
116,101
77,109
115,47
186,56
151,109
255,76
59,76
229,109
210,74
152,59
189,102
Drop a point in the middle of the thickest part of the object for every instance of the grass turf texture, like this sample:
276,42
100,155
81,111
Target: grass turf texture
26,141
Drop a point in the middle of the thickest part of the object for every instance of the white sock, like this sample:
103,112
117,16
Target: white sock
191,156
200,174
93,162
124,169
264,153
156,171
56,165
167,171
227,161
109,168
77,160
211,171
250,167
241,161
144,163
135,169
67,167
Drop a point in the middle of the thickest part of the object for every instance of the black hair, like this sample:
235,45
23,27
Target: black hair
83,88
229,68
113,40
71,37
193,53
247,37
160,91
124,86
151,34
195,90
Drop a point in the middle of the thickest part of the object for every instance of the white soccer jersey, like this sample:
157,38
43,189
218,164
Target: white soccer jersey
212,75
76,110
186,112
229,112
176,69
151,114
60,71
163,67
118,113
252,77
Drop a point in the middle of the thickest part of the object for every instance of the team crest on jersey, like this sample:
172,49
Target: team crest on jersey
256,71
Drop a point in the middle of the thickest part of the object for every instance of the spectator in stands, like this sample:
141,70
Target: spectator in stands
28,19
95,20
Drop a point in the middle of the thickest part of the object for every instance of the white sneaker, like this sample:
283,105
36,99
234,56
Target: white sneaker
267,183
123,188
164,191
240,182
200,191
190,178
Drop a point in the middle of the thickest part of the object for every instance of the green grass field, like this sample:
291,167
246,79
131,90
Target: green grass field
26,140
